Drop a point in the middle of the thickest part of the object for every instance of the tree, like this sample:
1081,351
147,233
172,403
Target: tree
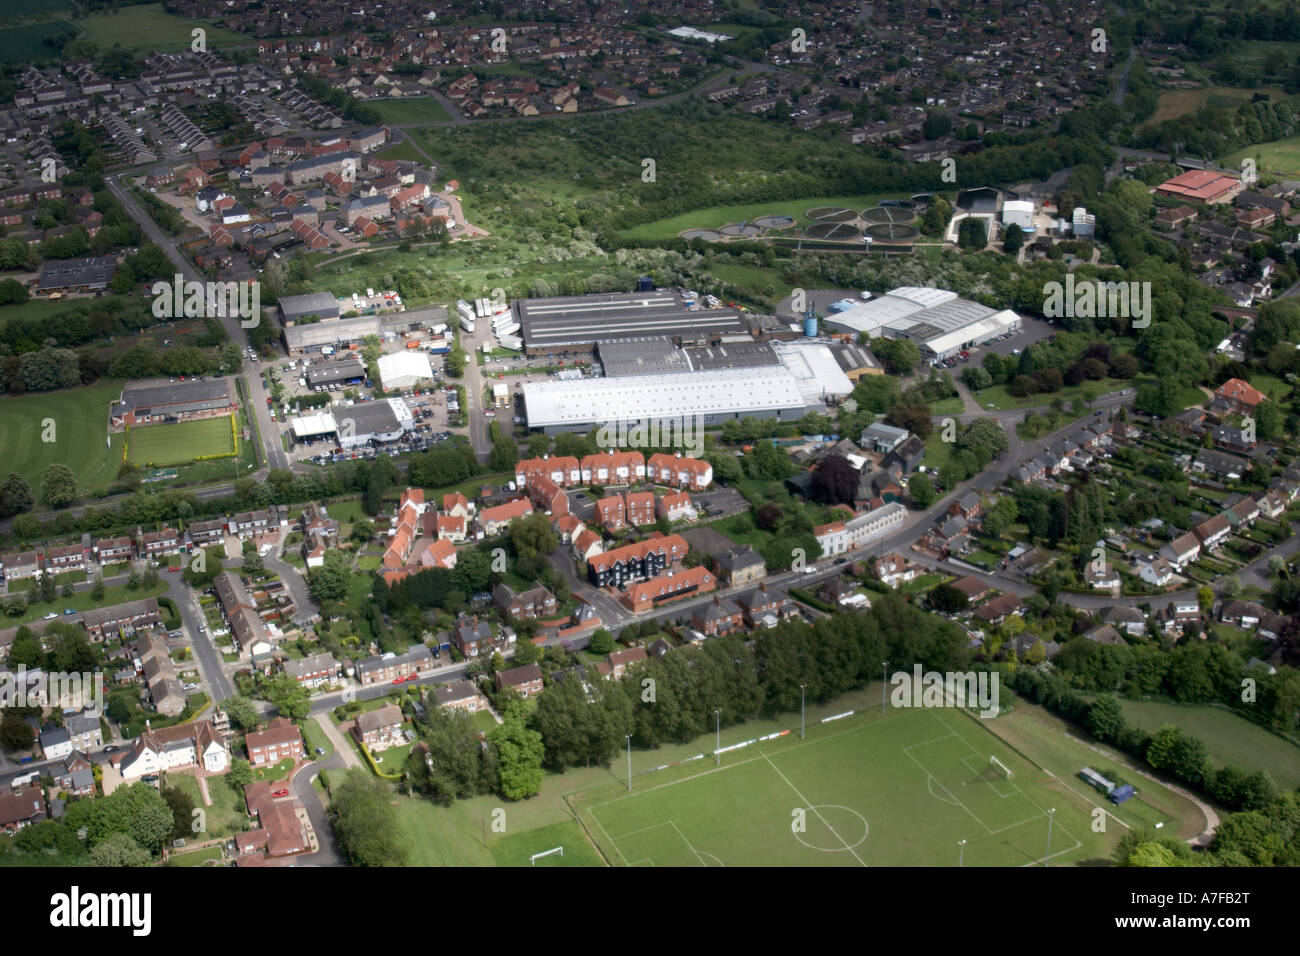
330,580
241,772
120,850
252,560
58,486
15,495
945,597
15,733
900,355
835,481
601,642
519,757
289,697
1105,718
921,488
366,823
182,808
1013,237
242,713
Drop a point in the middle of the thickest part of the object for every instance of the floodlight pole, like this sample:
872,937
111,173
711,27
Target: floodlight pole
802,723
629,760
717,747
1048,855
961,854
884,684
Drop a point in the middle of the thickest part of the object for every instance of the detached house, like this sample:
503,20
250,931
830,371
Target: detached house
380,729
279,741
526,680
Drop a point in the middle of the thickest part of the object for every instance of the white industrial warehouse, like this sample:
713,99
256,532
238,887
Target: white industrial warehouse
385,420
404,369
940,322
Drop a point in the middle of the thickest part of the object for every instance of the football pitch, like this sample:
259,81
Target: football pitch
902,790
179,443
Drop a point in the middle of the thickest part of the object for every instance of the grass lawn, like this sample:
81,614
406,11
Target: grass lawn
1001,399
392,759
483,720
77,420
715,216
948,406
1272,386
1175,103
180,442
82,601
898,790
349,511
1281,156
148,27
1228,738
228,814
197,858
401,151
25,42
937,451
277,772
414,109
314,737
1042,736
369,562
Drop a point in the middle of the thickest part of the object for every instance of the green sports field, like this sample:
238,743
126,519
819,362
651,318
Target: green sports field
864,791
179,443
149,27
1281,157
80,418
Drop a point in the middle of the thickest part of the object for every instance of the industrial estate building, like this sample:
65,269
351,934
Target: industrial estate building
940,322
578,323
355,426
336,329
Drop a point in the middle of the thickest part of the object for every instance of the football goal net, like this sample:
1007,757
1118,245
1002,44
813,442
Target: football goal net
999,768
532,860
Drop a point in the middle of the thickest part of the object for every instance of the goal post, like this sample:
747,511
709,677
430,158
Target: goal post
532,860
999,767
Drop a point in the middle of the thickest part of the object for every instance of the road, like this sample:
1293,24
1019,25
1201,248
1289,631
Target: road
273,454
209,658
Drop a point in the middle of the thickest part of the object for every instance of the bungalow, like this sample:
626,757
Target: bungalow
997,610
526,680
462,695
1128,619
1155,570
1104,634
1102,577
975,589
1242,613
21,808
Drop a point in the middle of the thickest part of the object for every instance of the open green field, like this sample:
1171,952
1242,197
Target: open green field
80,419
400,151
19,9
181,442
1281,157
1175,103
1228,738
412,109
27,42
715,216
865,791
148,27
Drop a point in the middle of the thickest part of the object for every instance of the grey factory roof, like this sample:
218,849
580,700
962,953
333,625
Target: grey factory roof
179,396
383,420
94,273
732,355
335,372
294,307
585,320
642,356
657,397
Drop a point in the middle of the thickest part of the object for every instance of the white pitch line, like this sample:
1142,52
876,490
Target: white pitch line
804,799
